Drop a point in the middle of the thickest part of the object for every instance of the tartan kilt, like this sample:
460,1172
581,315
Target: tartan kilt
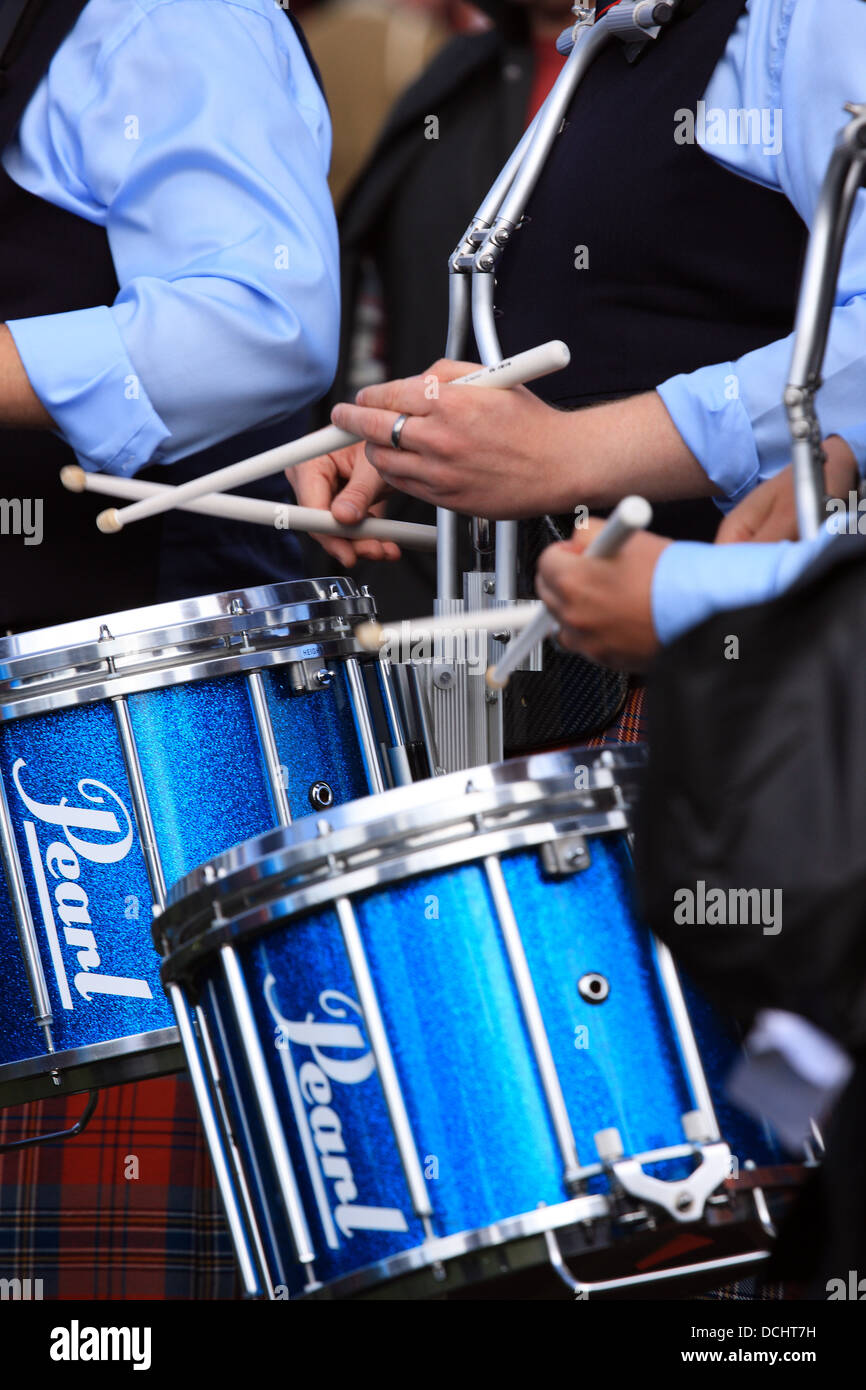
126,1210
630,724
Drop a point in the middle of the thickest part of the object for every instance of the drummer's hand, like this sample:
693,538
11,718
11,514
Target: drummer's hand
481,451
769,512
603,605
348,486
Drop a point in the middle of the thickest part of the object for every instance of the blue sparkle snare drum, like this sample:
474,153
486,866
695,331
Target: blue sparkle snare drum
434,1051
134,746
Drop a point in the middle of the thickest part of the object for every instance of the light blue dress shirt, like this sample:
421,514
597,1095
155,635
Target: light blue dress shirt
692,580
799,60
795,63
194,132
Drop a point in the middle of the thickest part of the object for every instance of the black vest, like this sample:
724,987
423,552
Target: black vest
52,262
688,262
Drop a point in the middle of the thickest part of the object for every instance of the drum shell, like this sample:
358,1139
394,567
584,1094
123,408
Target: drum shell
463,1057
208,785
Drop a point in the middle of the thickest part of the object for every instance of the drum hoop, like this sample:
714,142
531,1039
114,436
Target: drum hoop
539,784
200,935
443,1250
590,1207
15,1074
162,675
272,610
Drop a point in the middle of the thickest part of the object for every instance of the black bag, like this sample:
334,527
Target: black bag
757,780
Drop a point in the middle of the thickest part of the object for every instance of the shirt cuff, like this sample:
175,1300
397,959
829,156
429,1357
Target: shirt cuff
693,580
79,368
707,410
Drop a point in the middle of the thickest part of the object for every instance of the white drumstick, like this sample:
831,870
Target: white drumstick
524,366
630,515
372,636
260,512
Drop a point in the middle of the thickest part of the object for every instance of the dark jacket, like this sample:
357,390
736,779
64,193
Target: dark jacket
755,781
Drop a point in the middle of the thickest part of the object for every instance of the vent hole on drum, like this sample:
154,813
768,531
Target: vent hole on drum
321,796
594,988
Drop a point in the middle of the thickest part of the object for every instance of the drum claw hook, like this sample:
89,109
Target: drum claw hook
55,1136
683,1200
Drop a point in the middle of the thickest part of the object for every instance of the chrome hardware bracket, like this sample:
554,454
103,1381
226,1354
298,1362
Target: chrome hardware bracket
684,1200
845,175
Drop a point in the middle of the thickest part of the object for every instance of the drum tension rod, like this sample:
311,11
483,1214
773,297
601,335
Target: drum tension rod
56,1135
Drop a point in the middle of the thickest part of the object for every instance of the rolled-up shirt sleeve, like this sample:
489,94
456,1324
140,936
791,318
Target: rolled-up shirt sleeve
801,60
195,133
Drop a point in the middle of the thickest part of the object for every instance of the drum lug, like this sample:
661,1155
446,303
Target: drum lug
683,1200
565,856
310,675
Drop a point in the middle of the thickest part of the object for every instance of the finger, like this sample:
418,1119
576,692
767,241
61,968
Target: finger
574,639
313,484
583,535
550,597
341,550
407,396
556,566
377,550
374,425
734,530
352,504
443,371
403,471
747,520
412,395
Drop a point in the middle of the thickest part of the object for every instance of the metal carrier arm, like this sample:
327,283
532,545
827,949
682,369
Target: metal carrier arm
845,175
468,730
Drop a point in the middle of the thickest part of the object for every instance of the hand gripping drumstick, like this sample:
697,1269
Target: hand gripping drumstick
513,371
258,511
630,515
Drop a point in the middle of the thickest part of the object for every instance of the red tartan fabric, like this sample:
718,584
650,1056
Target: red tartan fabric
126,1210
630,724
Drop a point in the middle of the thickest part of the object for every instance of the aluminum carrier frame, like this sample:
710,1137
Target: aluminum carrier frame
846,174
466,713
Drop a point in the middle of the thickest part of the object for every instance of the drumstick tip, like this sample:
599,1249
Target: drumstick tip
636,512
495,682
73,478
109,521
370,635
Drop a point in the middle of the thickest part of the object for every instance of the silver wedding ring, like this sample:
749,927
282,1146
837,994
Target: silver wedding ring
397,430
